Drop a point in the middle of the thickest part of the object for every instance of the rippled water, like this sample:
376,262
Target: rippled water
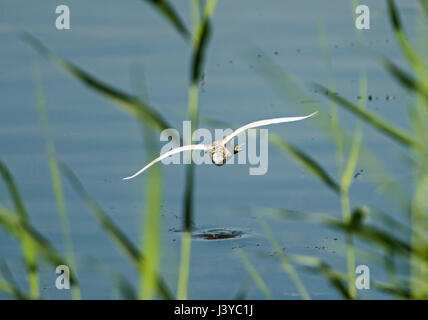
102,144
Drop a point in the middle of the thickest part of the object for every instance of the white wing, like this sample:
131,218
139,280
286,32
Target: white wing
262,123
170,153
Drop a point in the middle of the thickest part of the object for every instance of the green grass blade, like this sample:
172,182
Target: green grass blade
383,239
291,91
184,270
258,280
152,231
406,79
23,231
8,285
56,180
202,33
117,235
130,103
419,244
13,291
345,184
411,55
243,289
334,110
424,4
386,128
118,280
27,247
349,170
200,37
306,161
13,191
171,15
335,278
286,264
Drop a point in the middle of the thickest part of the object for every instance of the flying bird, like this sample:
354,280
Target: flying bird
218,150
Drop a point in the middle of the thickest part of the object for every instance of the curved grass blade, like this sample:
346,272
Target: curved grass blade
386,128
12,290
258,280
306,161
167,10
200,40
243,289
56,179
399,290
23,230
130,103
368,233
8,285
336,278
119,281
286,264
291,91
27,248
414,59
405,78
13,191
117,235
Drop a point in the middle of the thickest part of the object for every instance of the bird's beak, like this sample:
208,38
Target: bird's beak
237,148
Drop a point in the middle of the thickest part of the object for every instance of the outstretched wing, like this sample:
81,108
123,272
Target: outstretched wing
262,123
170,153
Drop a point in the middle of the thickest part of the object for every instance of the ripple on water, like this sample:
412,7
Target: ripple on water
218,234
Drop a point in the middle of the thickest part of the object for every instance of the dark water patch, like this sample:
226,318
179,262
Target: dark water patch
218,234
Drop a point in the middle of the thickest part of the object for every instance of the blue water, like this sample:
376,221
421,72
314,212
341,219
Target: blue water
117,41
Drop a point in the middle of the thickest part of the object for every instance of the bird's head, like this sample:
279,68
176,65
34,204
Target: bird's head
237,148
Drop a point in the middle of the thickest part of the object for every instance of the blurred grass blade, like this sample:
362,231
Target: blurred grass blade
202,33
13,191
12,290
112,229
24,231
355,226
336,279
151,229
130,103
56,179
334,110
286,264
411,55
170,14
184,269
405,78
424,4
306,161
243,289
254,274
291,91
120,282
27,247
345,184
419,262
390,130
349,170
8,285
200,37
401,291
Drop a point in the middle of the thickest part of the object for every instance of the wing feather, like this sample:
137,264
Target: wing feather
169,153
262,123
